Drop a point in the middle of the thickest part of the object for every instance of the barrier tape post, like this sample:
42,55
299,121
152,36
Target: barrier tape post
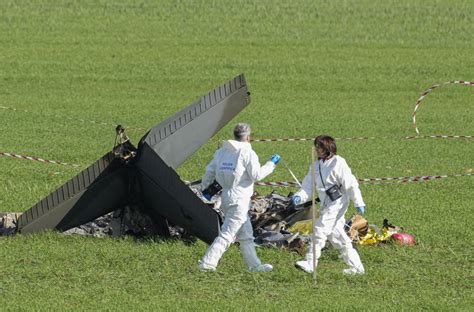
313,206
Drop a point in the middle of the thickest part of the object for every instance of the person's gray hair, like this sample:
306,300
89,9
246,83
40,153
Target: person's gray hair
241,131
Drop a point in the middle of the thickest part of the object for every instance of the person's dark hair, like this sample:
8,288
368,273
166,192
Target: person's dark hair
327,144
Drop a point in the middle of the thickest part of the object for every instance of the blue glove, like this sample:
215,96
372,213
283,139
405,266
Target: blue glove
208,197
361,209
296,200
275,158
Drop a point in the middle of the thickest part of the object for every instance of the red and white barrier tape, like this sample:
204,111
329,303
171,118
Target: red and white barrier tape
368,138
386,180
429,90
413,178
46,161
307,139
440,137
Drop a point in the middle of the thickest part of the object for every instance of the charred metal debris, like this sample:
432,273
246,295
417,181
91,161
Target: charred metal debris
276,223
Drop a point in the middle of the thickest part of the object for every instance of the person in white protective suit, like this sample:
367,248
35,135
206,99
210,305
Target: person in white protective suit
331,171
236,167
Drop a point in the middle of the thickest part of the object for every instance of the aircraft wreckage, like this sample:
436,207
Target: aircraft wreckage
144,176
136,190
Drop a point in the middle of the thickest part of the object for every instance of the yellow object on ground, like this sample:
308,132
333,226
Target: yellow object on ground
359,231
375,236
304,227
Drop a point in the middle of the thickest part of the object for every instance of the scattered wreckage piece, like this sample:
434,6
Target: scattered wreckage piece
127,221
356,227
8,222
373,235
145,176
279,213
272,216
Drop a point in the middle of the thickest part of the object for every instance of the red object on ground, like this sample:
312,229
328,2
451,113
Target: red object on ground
404,238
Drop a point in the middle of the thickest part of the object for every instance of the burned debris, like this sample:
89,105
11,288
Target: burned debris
276,224
8,222
271,216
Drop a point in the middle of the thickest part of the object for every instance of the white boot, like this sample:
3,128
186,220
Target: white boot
306,264
215,251
204,267
262,268
353,271
352,259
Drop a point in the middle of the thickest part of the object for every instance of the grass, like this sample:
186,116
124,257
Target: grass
347,68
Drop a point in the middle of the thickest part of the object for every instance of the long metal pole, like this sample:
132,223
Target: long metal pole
313,206
291,172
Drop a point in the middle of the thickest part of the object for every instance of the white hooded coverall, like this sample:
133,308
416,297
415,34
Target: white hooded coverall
235,167
330,224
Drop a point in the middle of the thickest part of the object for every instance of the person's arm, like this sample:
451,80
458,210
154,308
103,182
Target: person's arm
349,184
210,174
256,171
305,191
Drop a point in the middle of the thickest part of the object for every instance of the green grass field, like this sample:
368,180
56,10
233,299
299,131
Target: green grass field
346,68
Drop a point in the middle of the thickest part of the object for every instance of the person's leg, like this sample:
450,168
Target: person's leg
322,230
247,249
233,221
343,243
247,246
334,238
